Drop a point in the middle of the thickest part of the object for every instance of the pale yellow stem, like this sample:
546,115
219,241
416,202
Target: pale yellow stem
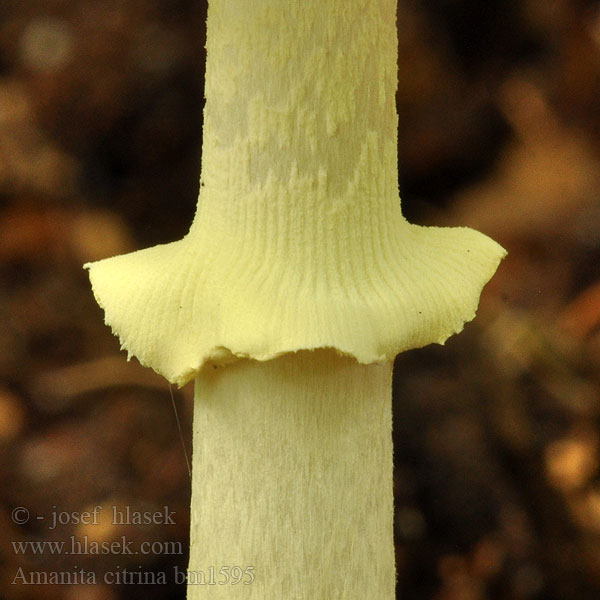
298,247
298,240
292,475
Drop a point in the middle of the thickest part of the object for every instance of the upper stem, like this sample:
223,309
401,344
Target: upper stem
298,240
300,119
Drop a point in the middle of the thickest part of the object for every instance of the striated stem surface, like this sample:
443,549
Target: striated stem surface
298,241
297,285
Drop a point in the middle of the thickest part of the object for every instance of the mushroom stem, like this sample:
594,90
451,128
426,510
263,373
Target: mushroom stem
302,279
300,99
292,475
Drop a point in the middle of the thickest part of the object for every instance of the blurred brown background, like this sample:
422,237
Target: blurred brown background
496,434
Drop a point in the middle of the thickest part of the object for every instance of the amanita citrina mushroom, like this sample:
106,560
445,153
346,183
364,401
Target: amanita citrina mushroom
301,280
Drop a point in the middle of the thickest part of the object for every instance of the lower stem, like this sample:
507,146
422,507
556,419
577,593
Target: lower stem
292,485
